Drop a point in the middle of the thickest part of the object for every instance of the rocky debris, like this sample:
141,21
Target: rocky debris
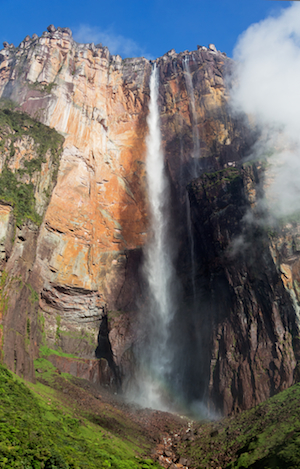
166,452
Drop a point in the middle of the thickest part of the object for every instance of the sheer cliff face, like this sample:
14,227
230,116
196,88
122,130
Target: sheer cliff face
87,251
97,212
98,215
250,322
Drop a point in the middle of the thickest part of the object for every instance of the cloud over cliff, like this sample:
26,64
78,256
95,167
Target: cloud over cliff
267,82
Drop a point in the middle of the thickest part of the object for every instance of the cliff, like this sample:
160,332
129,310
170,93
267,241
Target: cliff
251,330
87,252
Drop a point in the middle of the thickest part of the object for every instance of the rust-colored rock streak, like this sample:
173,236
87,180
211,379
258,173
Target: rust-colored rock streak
88,250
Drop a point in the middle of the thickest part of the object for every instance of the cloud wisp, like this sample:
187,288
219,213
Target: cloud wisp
267,78
116,43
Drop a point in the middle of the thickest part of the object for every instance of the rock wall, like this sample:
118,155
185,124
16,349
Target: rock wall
237,339
247,315
97,219
29,160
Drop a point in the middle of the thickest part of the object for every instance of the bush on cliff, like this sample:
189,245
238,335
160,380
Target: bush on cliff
17,187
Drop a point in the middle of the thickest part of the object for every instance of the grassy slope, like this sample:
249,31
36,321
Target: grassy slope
39,430
267,436
56,424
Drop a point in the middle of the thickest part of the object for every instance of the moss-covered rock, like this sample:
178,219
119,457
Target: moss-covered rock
29,157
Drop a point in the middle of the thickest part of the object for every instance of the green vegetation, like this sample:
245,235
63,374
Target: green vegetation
38,431
43,87
267,436
58,321
20,195
7,104
17,187
46,352
217,178
34,296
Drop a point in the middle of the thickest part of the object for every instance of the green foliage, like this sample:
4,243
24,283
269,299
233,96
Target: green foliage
217,178
3,278
267,436
58,321
13,189
43,87
34,296
3,296
35,432
7,104
20,195
46,352
28,327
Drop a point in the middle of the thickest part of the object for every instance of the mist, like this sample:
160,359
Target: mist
266,88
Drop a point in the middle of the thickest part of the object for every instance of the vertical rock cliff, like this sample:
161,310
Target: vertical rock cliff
247,314
78,246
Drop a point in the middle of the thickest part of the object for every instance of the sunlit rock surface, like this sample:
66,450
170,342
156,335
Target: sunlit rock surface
88,250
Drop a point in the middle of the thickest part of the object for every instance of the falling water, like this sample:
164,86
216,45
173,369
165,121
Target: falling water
158,267
195,131
192,244
196,157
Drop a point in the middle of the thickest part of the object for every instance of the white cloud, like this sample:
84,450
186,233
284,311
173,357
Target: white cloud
116,43
268,88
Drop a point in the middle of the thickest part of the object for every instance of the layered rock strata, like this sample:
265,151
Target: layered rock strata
97,221
88,250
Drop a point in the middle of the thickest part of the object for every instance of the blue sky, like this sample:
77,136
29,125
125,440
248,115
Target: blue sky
138,27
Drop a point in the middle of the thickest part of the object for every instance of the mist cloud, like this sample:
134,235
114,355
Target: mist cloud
267,86
116,43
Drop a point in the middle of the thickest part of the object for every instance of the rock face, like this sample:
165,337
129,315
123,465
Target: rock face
247,315
88,250
97,220
29,159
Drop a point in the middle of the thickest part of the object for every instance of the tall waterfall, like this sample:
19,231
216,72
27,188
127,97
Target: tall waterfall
195,131
158,268
196,157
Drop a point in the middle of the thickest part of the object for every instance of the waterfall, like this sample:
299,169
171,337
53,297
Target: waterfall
192,245
158,267
196,157
195,131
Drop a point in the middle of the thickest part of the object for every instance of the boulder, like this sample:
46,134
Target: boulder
212,47
67,31
51,28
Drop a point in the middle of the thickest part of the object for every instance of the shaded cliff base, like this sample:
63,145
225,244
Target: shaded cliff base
65,422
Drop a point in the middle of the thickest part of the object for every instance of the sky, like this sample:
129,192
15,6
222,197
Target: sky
134,28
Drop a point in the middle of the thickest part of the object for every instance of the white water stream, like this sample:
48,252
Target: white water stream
195,131
158,266
196,157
